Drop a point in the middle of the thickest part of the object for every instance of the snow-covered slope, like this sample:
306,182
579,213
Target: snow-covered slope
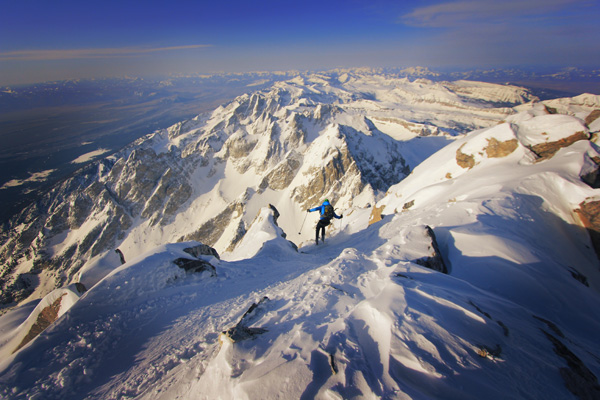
344,136
516,316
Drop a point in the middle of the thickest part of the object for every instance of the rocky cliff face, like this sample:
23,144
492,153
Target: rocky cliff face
347,138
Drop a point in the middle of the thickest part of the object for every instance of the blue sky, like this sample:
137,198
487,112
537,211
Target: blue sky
44,40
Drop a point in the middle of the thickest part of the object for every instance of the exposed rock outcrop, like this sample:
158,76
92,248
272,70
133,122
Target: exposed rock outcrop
434,260
578,378
466,161
242,330
46,317
545,151
198,264
202,250
591,175
50,308
282,175
121,256
498,149
589,215
376,214
210,231
195,266
593,116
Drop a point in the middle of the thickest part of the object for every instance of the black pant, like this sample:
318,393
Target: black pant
321,225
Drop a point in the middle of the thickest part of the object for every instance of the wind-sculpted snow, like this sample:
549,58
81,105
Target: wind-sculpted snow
360,316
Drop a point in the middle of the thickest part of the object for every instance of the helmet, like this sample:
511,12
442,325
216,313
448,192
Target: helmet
325,201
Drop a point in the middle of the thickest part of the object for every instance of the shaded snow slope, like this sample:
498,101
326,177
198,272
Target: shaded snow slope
360,317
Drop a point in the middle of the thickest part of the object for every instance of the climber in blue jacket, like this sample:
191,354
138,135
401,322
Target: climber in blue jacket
327,213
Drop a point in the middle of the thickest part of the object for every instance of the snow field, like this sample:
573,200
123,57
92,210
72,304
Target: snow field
357,317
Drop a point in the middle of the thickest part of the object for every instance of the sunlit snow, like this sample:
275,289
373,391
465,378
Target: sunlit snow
357,317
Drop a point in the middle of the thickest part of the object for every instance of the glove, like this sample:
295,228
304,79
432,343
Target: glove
308,210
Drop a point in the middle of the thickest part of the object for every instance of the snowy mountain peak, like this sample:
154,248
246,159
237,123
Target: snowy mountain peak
465,255
292,145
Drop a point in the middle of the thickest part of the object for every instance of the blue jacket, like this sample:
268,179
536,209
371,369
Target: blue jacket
321,210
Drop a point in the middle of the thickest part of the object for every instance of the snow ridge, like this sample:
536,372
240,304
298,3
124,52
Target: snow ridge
360,316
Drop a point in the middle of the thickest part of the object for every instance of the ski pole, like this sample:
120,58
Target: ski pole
306,215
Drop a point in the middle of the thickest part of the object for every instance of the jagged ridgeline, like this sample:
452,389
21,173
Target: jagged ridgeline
344,136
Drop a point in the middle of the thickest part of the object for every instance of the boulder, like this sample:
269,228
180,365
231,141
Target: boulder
195,266
202,250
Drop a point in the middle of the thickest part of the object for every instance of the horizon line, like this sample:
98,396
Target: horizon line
90,53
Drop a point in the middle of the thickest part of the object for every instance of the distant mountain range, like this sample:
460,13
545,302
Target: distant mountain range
127,90
132,89
546,83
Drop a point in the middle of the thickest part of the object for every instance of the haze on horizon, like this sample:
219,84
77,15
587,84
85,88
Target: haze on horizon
41,41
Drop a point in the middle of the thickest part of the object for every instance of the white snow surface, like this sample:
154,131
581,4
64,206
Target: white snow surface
357,317
242,156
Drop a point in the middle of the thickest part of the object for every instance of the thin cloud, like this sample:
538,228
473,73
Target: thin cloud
33,177
509,32
458,13
69,54
89,156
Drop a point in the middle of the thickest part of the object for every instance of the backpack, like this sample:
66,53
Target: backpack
328,212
